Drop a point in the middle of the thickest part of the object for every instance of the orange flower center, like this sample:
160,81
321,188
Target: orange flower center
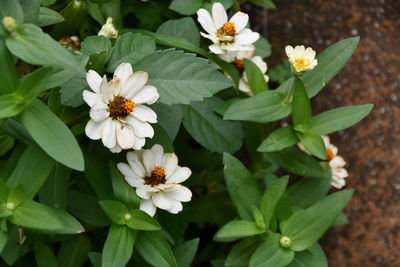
239,64
120,107
227,29
156,177
329,154
300,63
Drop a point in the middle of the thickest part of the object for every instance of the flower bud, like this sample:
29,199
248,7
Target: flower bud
10,206
127,217
285,241
108,30
10,24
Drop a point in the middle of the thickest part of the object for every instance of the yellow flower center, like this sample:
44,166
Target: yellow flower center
120,107
329,154
239,64
156,177
227,32
300,63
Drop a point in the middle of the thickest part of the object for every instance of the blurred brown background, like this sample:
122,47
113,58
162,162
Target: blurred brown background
372,147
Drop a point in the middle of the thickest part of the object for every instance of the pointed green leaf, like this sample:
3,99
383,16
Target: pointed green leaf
33,84
44,256
306,192
270,253
301,113
314,144
74,252
140,220
8,74
306,228
242,186
279,139
182,28
122,190
237,229
48,17
118,247
115,210
338,119
185,252
239,255
255,77
52,135
10,105
55,189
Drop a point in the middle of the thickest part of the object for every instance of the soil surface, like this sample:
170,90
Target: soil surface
372,147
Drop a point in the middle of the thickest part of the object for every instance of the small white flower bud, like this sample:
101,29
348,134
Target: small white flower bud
127,217
10,206
285,241
108,30
10,24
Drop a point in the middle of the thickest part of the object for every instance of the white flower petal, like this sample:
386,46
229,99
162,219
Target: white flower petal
125,136
149,160
340,172
240,20
107,92
139,143
99,112
337,162
289,51
143,193
115,149
219,15
176,207
148,207
338,183
127,171
91,98
205,20
158,152
108,135
148,94
170,162
244,86
94,129
260,63
247,37
134,83
141,128
216,49
144,113
94,80
123,71
180,193
213,38
136,164
180,175
161,201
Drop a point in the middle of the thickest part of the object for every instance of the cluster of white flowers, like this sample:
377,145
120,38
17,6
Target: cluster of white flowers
336,163
120,118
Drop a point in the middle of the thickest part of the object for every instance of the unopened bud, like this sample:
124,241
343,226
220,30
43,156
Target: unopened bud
10,24
108,30
10,206
127,217
285,241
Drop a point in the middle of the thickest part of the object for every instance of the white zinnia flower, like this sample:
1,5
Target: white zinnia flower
226,35
301,59
237,59
118,115
108,30
157,177
336,163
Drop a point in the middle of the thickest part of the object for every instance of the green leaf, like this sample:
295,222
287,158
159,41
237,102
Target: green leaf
29,48
306,192
95,44
339,119
271,197
330,62
90,212
242,186
30,9
13,250
186,252
258,218
265,107
3,240
299,163
279,139
44,256
71,91
263,48
98,175
306,228
55,189
131,48
140,220
313,143
52,135
118,247
74,252
237,229
182,77
255,77
186,7
13,9
301,113
28,174
169,117
6,144
34,215
48,17
264,3
155,249
122,190
184,28
95,259
8,73
239,255
10,105
270,253
115,210
71,225
33,84
208,129
308,258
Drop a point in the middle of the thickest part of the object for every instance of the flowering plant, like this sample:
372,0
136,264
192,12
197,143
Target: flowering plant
125,126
